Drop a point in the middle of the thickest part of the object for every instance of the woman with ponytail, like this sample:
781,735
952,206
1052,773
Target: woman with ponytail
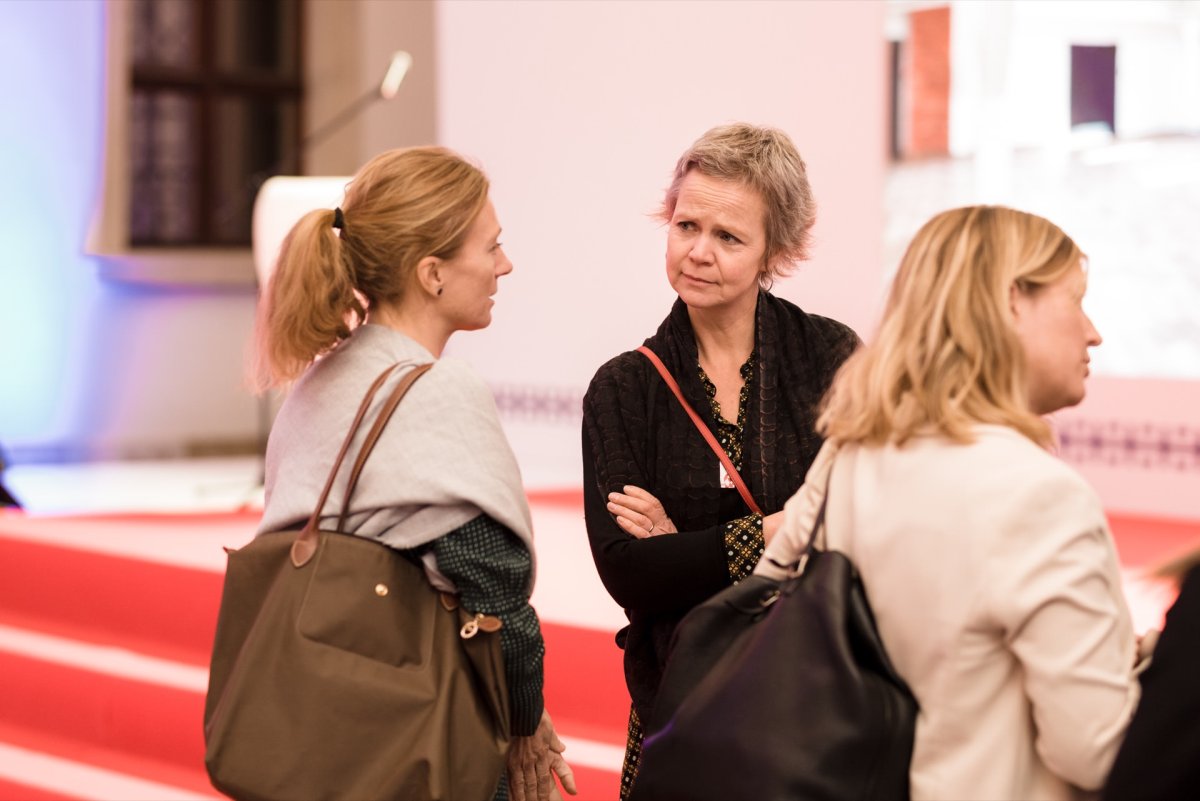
411,256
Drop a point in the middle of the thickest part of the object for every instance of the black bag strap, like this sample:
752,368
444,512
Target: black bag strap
306,544
730,470
796,568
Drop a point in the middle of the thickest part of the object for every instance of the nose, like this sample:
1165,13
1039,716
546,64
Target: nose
701,251
504,266
1093,335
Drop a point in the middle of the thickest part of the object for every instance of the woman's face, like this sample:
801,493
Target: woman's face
469,279
1056,334
716,243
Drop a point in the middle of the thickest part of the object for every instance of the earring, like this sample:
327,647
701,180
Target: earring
439,291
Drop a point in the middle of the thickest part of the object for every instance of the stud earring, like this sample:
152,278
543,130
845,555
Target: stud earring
439,291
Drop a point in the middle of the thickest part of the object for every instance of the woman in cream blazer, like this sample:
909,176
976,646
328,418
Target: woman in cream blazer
988,562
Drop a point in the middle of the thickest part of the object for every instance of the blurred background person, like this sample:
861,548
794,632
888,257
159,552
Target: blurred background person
1160,758
667,529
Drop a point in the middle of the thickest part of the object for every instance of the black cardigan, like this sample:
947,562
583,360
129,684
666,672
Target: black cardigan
635,432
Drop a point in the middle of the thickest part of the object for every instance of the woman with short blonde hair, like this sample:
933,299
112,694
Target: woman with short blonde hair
666,527
988,562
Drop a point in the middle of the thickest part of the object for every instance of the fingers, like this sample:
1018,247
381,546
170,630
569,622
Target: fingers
633,518
526,760
641,495
529,781
632,504
516,773
565,774
544,776
634,529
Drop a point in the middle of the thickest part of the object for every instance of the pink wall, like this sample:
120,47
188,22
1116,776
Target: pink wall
578,112
1138,443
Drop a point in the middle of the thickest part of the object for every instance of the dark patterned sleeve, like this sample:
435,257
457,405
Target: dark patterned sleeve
744,545
491,569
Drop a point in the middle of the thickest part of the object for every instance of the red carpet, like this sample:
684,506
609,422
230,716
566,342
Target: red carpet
58,593
106,624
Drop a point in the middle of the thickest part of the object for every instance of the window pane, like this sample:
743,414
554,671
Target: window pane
253,37
255,139
166,34
162,137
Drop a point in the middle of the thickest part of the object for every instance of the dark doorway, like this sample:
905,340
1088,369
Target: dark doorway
1094,85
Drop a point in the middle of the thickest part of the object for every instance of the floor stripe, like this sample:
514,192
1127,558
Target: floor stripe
130,665
106,659
591,754
81,781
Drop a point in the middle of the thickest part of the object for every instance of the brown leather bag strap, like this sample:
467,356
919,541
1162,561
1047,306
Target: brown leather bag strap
368,445
708,436
306,544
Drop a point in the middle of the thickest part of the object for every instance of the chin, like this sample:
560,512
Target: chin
1071,400
694,299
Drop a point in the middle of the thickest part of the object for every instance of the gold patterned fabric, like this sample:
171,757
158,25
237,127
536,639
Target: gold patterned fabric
633,754
744,542
730,434
744,545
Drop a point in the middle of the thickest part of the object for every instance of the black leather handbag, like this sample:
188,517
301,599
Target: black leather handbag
780,690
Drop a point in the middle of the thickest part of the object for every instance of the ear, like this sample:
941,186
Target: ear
429,274
1016,301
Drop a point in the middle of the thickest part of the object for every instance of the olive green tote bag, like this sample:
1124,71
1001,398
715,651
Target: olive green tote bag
339,672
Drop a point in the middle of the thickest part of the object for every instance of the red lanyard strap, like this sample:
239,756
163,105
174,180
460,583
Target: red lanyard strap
708,436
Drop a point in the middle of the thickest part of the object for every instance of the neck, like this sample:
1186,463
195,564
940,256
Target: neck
416,321
724,334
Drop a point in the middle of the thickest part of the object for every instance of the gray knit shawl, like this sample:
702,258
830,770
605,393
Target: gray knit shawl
442,460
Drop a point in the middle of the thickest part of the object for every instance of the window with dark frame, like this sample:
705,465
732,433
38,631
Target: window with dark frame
214,112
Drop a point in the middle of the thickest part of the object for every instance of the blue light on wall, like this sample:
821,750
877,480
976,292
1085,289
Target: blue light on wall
51,145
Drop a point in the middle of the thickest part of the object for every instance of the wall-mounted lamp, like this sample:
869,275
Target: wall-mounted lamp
397,68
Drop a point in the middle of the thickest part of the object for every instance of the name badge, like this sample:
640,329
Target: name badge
726,481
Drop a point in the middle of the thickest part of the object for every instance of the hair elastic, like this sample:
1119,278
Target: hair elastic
339,220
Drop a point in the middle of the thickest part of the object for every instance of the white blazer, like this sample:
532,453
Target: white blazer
995,586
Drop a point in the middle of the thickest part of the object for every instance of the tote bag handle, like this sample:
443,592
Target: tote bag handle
306,544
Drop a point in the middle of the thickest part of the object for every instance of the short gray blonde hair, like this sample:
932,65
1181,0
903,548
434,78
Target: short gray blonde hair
765,160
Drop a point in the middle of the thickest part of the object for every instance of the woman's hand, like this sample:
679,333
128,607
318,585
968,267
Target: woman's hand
639,513
771,524
533,762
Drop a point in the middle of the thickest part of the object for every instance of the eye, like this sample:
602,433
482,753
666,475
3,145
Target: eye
725,236
496,247
685,225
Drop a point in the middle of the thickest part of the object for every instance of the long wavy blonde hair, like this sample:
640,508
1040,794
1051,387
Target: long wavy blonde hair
947,354
402,206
